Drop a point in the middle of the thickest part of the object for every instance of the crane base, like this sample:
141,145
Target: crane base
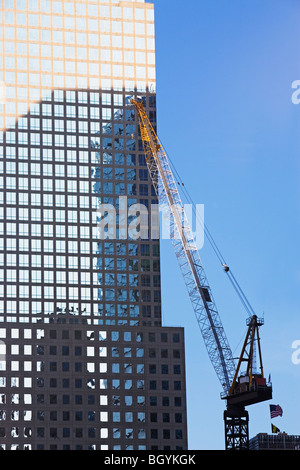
236,421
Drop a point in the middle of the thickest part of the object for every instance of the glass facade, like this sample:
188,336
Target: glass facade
70,291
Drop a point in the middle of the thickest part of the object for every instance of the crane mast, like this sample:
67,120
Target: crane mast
186,252
239,390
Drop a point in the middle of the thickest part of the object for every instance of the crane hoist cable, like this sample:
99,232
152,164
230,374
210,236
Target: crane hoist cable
240,293
215,248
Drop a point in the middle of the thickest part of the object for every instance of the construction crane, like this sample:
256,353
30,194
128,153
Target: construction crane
240,389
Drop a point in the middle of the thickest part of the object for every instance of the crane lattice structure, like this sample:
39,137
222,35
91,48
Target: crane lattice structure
187,254
219,352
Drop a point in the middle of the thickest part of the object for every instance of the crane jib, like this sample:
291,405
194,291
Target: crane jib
205,310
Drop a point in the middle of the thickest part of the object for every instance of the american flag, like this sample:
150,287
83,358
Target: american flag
275,410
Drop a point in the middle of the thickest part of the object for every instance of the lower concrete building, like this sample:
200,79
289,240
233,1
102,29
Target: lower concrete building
67,385
281,441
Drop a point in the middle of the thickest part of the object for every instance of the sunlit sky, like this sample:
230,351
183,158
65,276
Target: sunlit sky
227,121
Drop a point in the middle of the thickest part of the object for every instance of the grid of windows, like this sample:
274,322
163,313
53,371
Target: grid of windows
50,44
54,193
91,388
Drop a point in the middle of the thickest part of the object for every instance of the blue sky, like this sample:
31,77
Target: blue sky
227,122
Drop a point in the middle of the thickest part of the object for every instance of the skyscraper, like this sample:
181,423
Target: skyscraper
85,362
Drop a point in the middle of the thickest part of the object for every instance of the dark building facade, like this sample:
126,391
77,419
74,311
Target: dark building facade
72,385
85,360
